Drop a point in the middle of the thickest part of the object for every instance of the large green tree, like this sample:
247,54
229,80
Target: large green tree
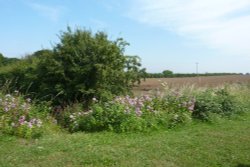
167,73
86,65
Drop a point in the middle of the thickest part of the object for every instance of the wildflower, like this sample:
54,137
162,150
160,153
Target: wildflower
54,121
147,98
13,105
6,109
33,121
191,105
21,120
28,100
155,111
138,111
72,116
25,106
127,110
30,125
94,99
13,99
176,116
7,95
38,123
140,104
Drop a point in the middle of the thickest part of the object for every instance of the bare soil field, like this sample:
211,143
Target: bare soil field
209,81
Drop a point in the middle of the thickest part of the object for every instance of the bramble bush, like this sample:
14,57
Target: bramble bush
19,117
215,101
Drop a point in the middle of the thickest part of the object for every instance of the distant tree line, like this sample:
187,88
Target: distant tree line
170,74
5,61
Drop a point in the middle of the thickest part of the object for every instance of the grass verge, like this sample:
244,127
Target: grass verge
225,143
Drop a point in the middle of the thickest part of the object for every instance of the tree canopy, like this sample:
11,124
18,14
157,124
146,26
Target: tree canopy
81,66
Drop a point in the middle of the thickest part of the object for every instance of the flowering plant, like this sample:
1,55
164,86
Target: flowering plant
17,118
130,113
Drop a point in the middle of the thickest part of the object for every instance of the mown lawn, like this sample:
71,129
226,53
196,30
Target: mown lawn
226,143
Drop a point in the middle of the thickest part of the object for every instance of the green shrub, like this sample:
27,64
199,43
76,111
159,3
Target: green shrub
211,101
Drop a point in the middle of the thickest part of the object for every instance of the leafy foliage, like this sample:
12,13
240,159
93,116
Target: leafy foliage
219,101
81,66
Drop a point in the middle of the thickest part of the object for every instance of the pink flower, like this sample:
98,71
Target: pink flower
30,125
6,109
138,111
21,120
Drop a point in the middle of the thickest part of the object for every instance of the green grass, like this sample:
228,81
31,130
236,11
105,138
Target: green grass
225,143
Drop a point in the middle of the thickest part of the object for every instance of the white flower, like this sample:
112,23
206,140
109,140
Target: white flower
8,95
28,100
72,116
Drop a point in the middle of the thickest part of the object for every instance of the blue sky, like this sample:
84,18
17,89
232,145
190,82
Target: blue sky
166,34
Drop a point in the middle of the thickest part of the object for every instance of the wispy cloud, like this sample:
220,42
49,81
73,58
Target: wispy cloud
53,13
220,24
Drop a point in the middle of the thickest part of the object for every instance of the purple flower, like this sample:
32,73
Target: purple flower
21,120
6,109
30,125
147,98
138,111
13,105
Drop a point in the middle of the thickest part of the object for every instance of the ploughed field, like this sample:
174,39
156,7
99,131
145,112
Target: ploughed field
210,81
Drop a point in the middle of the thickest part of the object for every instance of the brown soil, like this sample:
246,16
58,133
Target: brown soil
210,81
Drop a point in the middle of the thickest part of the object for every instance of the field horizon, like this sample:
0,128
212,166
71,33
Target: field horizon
152,84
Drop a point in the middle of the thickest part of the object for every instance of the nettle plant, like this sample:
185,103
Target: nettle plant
17,118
